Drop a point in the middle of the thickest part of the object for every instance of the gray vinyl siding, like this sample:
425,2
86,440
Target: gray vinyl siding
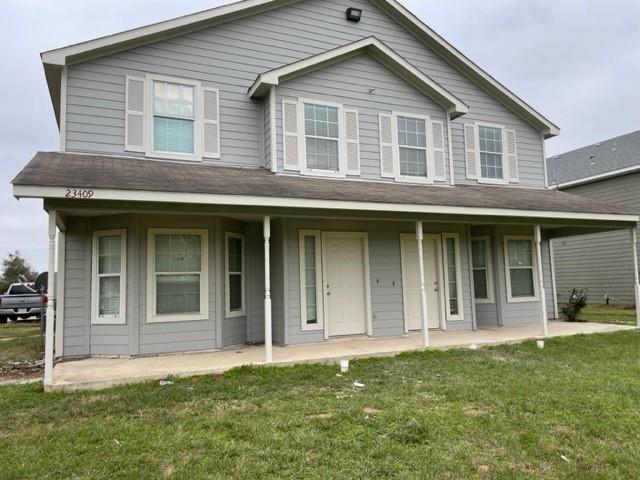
278,281
487,313
348,83
255,283
232,55
385,272
77,289
602,264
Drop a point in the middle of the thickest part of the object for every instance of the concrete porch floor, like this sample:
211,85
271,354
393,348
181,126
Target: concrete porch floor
97,373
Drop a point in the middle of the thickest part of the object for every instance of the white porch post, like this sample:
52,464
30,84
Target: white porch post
636,280
268,341
541,291
50,313
423,294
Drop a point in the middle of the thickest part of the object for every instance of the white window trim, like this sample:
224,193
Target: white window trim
488,267
198,119
445,262
227,303
120,319
342,143
152,317
534,268
396,148
303,284
492,181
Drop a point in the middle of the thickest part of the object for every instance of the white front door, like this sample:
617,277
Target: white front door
431,248
344,284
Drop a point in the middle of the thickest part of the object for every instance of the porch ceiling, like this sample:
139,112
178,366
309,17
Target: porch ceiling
115,179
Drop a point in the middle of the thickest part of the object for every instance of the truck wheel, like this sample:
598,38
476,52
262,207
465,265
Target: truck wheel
3,319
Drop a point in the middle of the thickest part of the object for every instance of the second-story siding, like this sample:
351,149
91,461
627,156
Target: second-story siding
230,56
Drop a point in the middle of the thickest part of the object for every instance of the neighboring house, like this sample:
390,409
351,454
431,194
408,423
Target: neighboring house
601,263
261,172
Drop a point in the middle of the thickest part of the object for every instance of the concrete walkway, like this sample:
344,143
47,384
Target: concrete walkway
96,373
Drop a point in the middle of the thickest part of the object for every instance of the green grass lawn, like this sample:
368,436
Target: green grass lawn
19,342
571,410
608,314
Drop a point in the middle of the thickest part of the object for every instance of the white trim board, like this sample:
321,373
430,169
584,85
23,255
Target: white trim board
595,178
32,191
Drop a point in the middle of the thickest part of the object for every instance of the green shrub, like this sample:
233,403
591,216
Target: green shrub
577,301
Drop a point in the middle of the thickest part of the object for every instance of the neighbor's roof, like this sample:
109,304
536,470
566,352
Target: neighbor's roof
610,158
54,60
133,179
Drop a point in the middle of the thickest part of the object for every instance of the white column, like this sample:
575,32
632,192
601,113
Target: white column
423,294
541,292
268,340
50,313
636,280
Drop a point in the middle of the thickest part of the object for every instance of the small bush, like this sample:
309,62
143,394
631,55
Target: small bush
577,301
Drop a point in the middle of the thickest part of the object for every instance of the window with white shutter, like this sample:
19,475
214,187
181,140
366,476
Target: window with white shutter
471,150
512,155
352,139
387,150
438,151
211,122
135,114
291,142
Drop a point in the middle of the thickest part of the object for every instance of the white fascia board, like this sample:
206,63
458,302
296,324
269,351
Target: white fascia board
600,176
31,191
58,56
455,106
552,130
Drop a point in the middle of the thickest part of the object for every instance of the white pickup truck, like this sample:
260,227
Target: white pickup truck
20,302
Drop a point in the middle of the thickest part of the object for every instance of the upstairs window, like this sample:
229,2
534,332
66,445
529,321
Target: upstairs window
173,118
491,160
412,146
322,137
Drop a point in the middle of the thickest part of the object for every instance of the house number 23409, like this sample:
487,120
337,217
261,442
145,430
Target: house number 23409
78,193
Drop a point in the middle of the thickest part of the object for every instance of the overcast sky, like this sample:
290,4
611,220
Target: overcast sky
576,61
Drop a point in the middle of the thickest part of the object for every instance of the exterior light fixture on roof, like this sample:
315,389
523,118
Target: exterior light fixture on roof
354,14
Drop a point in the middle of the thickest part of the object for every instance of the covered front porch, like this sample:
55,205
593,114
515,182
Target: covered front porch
97,373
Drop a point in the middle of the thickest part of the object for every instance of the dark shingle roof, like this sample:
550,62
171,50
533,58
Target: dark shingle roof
597,159
93,171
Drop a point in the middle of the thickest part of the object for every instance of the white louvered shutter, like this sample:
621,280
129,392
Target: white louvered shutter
387,154
438,151
291,143
134,115
352,136
511,150
471,150
211,122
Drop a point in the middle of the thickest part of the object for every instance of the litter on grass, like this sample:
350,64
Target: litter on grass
359,384
164,383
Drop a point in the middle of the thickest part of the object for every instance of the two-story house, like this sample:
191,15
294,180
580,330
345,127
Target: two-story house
287,172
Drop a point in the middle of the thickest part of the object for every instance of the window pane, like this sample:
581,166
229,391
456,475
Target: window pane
177,294
522,282
452,274
235,292
491,165
412,132
310,279
109,254
322,154
520,253
173,100
173,135
235,254
413,163
478,253
480,284
321,121
178,253
109,301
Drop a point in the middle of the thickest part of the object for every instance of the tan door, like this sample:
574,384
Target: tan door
344,279
411,280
